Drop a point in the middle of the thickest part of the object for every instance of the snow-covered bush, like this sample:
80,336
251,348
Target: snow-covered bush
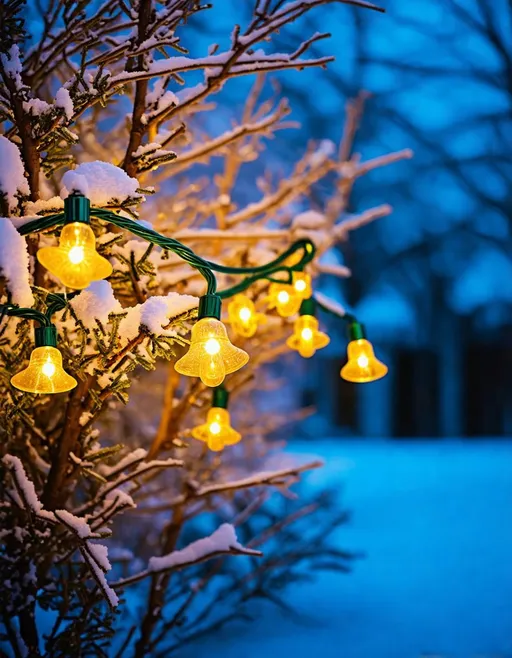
99,500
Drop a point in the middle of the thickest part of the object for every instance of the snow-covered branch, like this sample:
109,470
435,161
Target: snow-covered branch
202,152
216,66
255,235
222,542
383,160
142,468
281,478
354,222
94,554
330,305
305,175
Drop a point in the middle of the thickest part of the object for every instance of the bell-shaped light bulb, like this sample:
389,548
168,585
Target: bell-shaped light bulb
362,365
211,355
306,337
75,261
243,316
217,431
44,373
286,298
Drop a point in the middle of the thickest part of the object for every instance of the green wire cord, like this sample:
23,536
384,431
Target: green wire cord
56,301
205,268
166,243
42,224
26,313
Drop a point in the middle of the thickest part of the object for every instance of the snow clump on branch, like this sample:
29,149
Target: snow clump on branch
14,263
103,183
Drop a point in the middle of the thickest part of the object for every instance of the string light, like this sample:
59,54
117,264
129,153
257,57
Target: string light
211,355
217,431
44,373
75,261
243,317
306,337
362,365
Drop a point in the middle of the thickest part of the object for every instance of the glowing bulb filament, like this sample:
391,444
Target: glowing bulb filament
245,314
302,284
307,334
215,427
212,346
362,361
243,317
76,255
286,298
48,369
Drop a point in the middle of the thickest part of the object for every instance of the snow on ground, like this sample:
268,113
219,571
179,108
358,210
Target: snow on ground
434,520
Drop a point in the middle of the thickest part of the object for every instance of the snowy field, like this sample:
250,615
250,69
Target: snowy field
435,522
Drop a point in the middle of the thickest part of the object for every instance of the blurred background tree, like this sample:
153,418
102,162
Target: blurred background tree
432,280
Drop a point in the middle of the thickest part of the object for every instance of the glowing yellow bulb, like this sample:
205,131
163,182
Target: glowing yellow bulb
362,366
243,317
306,338
284,298
44,373
287,298
75,261
211,355
217,431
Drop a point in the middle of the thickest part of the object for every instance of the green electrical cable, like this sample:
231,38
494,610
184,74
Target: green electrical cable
305,244
166,243
25,313
57,301
42,224
205,268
